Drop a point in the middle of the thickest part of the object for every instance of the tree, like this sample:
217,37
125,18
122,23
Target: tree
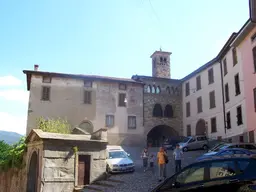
54,125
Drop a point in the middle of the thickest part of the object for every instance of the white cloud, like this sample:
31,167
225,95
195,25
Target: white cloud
15,95
13,123
9,81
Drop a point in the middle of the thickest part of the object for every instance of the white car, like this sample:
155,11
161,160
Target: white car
118,160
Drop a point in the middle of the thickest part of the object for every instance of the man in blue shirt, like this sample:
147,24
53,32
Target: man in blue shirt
177,153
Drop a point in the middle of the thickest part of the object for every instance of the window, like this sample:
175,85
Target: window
222,169
198,83
188,130
110,121
226,152
149,89
188,109
237,84
199,105
131,122
213,125
212,99
250,147
210,76
228,120
168,111
153,90
158,90
168,90
254,58
122,86
254,96
226,92
87,97
187,89
241,139
87,84
47,79
165,60
157,111
251,137
46,93
239,152
192,174
234,55
201,138
121,100
239,115
225,68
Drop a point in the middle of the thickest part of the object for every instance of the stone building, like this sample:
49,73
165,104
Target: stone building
89,102
61,162
162,103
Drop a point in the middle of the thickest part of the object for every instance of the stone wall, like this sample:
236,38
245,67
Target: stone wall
60,163
163,98
14,180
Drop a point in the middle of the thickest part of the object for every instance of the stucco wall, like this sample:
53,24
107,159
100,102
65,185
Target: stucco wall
249,78
66,101
234,101
207,113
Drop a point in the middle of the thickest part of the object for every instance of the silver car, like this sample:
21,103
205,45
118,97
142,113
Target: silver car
194,142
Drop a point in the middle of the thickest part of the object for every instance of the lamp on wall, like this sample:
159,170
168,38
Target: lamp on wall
125,100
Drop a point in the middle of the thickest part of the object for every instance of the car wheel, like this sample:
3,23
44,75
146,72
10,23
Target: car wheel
185,149
205,147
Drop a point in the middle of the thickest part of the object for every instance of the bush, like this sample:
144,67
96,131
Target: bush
54,125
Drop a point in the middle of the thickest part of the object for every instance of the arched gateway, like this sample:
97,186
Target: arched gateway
201,127
32,173
159,133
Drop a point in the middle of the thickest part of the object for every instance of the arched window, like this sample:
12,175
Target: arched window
153,89
174,91
168,111
254,58
157,111
86,126
149,89
158,90
168,90
145,88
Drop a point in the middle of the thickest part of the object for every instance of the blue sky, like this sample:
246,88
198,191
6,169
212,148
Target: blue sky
105,37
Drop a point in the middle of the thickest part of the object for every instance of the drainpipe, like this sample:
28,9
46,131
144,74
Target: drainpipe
223,98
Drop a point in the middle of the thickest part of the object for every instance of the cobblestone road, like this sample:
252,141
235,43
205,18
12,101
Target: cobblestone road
140,181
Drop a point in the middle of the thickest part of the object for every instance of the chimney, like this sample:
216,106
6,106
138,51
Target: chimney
36,67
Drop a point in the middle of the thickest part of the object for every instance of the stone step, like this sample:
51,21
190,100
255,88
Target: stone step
92,187
104,183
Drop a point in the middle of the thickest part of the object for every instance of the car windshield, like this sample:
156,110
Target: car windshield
220,147
216,146
117,154
186,139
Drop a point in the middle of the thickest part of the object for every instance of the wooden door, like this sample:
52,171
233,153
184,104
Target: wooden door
251,137
84,162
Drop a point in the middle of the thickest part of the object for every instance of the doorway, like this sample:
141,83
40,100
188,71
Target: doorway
32,173
84,165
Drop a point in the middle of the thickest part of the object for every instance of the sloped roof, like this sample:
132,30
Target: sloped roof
58,136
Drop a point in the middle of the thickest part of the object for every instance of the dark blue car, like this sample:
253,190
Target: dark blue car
224,152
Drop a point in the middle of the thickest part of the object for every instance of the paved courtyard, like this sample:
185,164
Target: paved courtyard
140,181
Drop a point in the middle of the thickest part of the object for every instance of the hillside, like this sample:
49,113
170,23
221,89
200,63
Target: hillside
10,137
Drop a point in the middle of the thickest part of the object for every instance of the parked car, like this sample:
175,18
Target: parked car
229,174
171,142
118,160
249,146
217,146
228,151
194,142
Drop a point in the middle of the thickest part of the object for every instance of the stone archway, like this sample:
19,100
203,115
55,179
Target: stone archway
200,127
32,173
159,133
86,126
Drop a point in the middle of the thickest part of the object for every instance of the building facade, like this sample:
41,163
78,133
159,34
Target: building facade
89,102
217,100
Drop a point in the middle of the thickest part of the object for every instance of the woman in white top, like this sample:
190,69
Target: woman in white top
144,157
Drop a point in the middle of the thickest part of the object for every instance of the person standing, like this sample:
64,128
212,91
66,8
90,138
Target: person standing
162,159
144,157
151,163
177,153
